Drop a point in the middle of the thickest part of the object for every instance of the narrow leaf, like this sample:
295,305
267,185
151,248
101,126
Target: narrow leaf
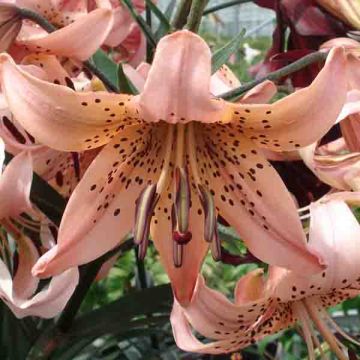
106,65
142,23
164,22
162,29
220,57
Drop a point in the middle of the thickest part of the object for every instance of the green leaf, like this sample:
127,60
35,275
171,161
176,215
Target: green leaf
162,29
220,57
142,23
125,84
106,65
164,22
120,314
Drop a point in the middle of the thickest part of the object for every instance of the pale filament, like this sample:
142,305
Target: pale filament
324,330
161,185
192,154
180,142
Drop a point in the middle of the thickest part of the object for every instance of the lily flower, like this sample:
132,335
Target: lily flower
263,306
17,285
175,157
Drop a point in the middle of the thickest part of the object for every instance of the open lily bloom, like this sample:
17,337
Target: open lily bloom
17,285
175,156
265,306
91,29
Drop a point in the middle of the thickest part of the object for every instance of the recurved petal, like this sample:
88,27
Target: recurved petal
301,118
338,171
350,129
15,184
334,233
87,34
61,118
103,204
10,25
185,95
50,301
252,198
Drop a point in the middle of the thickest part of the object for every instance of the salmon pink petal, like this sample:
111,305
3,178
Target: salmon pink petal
183,278
55,73
103,204
250,287
185,95
91,30
223,80
15,184
82,121
243,184
301,118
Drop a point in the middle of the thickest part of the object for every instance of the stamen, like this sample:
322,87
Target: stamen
161,185
208,204
182,203
301,313
324,329
142,248
145,205
216,246
178,252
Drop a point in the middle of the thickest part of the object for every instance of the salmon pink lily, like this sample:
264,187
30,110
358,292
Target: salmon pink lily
17,285
265,306
176,155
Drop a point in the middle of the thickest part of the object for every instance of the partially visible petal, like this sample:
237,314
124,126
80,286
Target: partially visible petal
24,284
350,129
15,184
58,12
10,25
81,121
87,34
250,287
260,94
302,117
337,171
50,301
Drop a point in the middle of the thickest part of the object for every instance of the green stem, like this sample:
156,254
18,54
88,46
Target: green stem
46,25
37,18
224,6
181,14
276,75
196,13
